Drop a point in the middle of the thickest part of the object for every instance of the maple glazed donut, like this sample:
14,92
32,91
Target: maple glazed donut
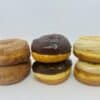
13,51
88,73
87,48
52,73
14,73
51,48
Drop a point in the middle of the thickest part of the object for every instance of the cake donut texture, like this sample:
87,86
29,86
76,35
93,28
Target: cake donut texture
14,73
87,48
52,73
13,51
15,61
51,48
88,73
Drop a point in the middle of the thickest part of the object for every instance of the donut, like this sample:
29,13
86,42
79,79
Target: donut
14,73
51,48
52,73
88,73
87,48
13,51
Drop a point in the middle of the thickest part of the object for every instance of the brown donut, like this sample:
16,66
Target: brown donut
13,51
14,73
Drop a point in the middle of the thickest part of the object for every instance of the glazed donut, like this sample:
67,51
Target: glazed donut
87,48
51,48
13,51
52,73
14,73
87,73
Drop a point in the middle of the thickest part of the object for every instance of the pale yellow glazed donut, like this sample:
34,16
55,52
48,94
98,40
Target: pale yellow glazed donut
87,73
87,48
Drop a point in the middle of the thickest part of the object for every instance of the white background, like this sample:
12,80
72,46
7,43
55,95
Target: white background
29,19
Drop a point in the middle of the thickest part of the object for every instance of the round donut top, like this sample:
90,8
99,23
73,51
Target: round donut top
51,68
88,43
10,45
51,44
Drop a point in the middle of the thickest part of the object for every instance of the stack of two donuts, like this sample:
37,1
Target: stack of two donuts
51,53
87,69
14,61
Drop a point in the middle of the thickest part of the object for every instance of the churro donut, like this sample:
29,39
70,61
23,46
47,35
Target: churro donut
87,73
14,73
51,48
52,73
87,48
13,51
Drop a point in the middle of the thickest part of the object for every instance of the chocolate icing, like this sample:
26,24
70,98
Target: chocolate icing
51,68
51,44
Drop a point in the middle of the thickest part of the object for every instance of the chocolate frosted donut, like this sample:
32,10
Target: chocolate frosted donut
51,44
13,51
51,68
52,73
51,48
